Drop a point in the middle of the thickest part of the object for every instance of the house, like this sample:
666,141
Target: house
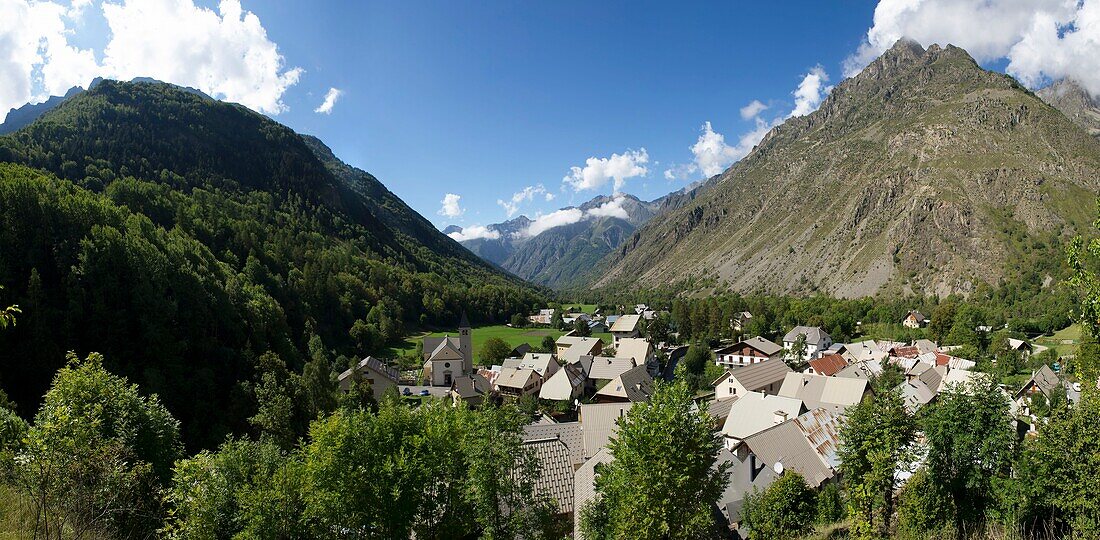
567,432
806,444
472,389
373,371
914,319
765,378
566,384
740,320
586,345
905,351
626,326
605,369
861,370
517,382
754,412
719,410
520,350
599,423
817,391
915,394
960,379
745,476
553,480
447,358
640,350
747,352
597,327
633,385
1024,348
817,340
863,351
827,365
544,316
1043,381
584,486
542,363
926,346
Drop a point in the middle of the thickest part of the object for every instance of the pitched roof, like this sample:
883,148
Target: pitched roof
834,393
463,321
719,409
609,368
755,412
861,370
916,315
829,364
926,345
568,432
471,386
578,347
958,377
767,347
915,394
515,378
626,323
555,478
756,376
598,424
584,486
807,445
814,334
562,384
540,362
446,348
634,384
1045,379
743,480
636,348
375,365
907,351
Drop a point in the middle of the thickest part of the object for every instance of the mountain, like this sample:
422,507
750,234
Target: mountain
923,173
192,241
558,256
23,116
1078,105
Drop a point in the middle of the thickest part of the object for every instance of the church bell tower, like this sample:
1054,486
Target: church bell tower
465,344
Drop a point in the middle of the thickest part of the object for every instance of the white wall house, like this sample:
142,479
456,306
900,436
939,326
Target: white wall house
817,341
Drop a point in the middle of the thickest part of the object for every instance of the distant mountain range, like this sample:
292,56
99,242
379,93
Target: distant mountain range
560,255
1078,105
924,173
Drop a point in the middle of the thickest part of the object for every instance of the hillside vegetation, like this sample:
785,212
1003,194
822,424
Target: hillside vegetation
924,173
183,238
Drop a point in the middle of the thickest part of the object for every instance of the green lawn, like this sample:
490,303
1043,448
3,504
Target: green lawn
511,336
1071,335
585,308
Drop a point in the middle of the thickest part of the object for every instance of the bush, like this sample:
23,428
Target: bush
784,510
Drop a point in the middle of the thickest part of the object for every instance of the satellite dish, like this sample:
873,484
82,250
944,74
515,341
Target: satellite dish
778,467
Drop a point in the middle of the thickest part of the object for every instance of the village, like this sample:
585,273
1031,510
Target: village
777,406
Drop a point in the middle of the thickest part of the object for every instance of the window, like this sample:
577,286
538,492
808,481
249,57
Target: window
446,364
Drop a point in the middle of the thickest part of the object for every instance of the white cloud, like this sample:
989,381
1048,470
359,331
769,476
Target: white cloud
474,232
1041,39
528,193
612,208
569,216
451,207
225,53
752,110
549,196
598,171
810,92
331,96
558,218
712,154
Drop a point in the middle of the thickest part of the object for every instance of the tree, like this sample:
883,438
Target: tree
581,328
695,365
637,500
923,508
549,345
658,329
556,320
943,318
796,355
97,455
494,350
878,436
7,315
970,442
786,509
519,320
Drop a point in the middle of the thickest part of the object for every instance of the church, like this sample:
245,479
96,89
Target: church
448,358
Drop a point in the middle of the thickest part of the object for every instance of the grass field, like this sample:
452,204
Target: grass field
1064,341
511,336
585,308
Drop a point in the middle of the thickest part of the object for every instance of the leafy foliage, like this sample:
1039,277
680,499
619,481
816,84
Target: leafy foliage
786,509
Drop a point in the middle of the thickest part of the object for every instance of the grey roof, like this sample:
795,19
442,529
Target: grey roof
463,322
861,370
915,394
436,345
584,488
926,346
636,348
814,334
743,480
373,364
626,323
755,412
598,424
765,346
1045,379
563,383
584,363
540,362
515,378
555,479
807,445
471,386
568,432
635,384
835,393
931,378
756,376
719,409
609,368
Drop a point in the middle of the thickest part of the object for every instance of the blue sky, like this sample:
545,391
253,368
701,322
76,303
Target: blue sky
484,100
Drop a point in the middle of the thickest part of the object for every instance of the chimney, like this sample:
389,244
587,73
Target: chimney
780,417
752,466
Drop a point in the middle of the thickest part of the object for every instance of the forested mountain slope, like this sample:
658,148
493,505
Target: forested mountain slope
184,237
923,173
